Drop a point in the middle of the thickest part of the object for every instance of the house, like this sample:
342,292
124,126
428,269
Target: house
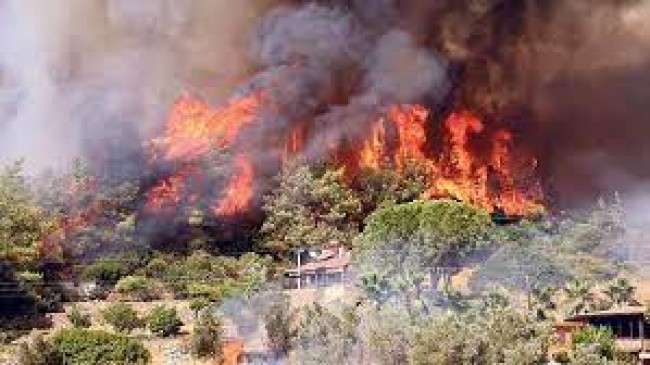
628,324
322,269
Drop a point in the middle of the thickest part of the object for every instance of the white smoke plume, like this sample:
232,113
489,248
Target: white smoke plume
73,72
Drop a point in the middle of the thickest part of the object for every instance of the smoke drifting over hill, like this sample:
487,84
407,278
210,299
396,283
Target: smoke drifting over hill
76,73
567,79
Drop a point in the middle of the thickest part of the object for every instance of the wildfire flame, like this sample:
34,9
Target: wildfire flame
457,172
490,179
239,193
193,129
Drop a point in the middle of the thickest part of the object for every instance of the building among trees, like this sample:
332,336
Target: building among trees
322,269
628,325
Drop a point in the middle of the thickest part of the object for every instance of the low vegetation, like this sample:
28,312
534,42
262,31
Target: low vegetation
138,288
206,337
85,347
163,321
407,252
79,319
122,317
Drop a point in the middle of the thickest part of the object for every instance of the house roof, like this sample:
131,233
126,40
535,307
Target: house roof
568,324
615,311
327,260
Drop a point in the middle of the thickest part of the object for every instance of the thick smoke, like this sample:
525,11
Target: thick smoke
591,107
573,73
78,73
332,65
81,75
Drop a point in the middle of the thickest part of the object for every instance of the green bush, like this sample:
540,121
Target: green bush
87,347
206,337
78,319
599,338
122,317
202,275
156,268
107,271
138,288
212,292
198,304
164,322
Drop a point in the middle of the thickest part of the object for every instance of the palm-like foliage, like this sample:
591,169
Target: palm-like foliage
620,292
579,296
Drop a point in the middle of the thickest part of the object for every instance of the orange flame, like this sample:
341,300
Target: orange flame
457,172
239,193
294,142
193,129
166,195
410,122
488,179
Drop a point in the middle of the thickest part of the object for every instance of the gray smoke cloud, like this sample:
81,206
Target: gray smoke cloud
402,72
80,74
74,72
330,65
590,106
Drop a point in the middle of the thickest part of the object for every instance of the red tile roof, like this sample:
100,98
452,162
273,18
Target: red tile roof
327,260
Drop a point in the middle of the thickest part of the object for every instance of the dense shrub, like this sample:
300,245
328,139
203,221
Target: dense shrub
206,337
78,319
122,317
325,337
86,347
215,291
494,335
107,271
138,288
278,323
206,291
156,268
163,321
599,338
202,275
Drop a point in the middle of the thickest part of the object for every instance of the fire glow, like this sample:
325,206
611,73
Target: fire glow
456,172
490,178
193,129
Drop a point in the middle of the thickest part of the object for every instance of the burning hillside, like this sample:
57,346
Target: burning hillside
330,88
465,159
491,98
